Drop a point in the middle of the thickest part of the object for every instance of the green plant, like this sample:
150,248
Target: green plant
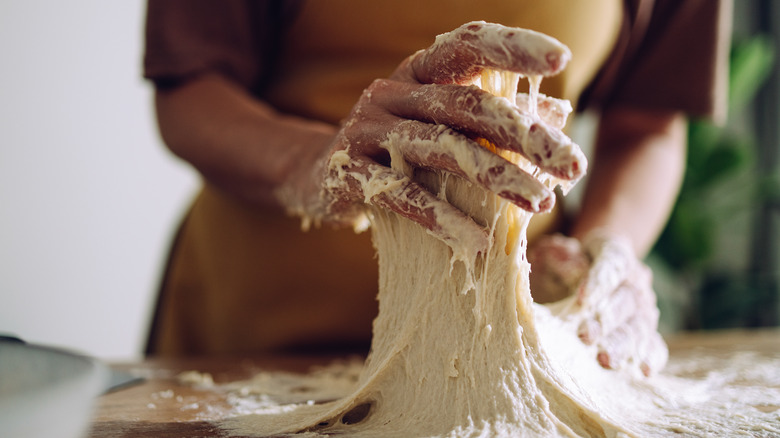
719,185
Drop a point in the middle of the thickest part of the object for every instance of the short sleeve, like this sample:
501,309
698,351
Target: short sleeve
676,59
185,38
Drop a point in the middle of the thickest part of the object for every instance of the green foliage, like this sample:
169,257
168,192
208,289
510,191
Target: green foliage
715,188
750,64
733,300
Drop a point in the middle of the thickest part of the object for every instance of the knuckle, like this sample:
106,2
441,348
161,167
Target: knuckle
375,89
377,85
353,131
468,31
468,98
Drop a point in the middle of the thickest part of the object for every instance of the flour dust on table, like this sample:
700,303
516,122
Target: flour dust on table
461,350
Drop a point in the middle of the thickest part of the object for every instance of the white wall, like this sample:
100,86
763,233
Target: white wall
88,195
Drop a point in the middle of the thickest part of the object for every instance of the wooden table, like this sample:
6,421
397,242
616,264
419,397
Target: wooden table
163,407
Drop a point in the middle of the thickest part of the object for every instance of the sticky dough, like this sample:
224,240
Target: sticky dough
460,349
455,349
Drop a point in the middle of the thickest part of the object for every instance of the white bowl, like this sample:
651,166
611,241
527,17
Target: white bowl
46,392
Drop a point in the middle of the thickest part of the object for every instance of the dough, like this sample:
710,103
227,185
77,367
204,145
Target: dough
460,349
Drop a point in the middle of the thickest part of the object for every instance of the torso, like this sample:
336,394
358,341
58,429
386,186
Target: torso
244,280
336,48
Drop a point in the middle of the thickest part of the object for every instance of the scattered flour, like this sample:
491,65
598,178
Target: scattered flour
195,379
460,350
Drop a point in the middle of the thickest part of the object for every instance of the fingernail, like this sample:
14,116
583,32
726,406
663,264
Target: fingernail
547,204
553,60
604,359
588,331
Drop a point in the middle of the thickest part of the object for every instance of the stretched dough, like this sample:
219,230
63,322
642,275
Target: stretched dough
455,349
460,349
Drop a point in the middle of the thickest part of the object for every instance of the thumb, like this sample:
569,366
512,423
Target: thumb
612,259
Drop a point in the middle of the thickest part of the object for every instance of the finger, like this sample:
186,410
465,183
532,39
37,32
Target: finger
552,111
615,348
438,147
654,356
458,57
408,199
612,261
391,190
635,343
557,267
589,331
634,298
477,113
611,314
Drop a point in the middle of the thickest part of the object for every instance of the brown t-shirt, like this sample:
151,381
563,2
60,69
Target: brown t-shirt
241,279
670,54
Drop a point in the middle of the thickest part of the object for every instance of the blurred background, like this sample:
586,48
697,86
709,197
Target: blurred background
89,197
717,262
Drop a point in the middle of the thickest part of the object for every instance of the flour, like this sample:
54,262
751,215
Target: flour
703,392
462,366
461,350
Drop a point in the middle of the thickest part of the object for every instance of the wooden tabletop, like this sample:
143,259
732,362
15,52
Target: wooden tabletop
163,406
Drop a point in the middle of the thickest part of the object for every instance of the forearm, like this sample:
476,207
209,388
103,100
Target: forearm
639,164
240,144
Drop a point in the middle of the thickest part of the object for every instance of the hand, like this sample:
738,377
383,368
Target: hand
558,265
613,297
428,106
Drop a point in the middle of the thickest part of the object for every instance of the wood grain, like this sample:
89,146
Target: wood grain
163,407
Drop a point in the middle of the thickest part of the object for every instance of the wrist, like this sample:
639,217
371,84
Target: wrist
299,190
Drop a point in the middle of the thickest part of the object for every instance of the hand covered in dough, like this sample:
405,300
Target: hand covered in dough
428,110
613,297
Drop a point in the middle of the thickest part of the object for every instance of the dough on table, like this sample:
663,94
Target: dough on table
460,349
